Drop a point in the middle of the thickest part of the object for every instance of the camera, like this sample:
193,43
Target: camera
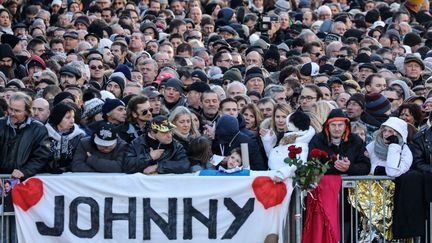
264,23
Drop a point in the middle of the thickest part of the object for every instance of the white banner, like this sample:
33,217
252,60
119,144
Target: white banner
136,208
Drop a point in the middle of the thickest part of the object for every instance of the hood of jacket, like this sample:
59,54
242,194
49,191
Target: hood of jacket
227,128
399,125
54,134
337,115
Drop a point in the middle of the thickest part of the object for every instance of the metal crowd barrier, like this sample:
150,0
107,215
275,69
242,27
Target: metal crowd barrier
7,219
356,211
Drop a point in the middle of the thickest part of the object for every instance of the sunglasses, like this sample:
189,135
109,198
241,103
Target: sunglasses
145,112
96,67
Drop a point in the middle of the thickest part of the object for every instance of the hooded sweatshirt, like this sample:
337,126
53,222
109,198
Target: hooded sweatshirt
399,158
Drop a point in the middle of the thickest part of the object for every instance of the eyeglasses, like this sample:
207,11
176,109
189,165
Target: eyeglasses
341,56
96,67
307,98
145,112
228,60
226,82
317,54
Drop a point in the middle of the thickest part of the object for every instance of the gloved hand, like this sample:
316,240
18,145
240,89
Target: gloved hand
393,139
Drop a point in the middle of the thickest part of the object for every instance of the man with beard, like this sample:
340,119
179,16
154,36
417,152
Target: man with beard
9,63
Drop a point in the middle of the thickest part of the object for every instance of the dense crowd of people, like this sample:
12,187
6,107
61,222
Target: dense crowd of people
157,86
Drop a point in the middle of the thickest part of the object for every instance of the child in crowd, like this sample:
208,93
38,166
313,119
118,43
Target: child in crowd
359,129
234,162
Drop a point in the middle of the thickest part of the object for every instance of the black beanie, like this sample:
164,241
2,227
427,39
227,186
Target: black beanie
58,112
411,39
61,96
118,80
272,53
300,120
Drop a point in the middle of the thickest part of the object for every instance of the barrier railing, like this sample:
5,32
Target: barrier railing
7,220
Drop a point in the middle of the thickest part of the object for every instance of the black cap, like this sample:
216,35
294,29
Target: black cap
105,135
200,87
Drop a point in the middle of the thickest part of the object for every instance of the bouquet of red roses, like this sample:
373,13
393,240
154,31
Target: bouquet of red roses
308,173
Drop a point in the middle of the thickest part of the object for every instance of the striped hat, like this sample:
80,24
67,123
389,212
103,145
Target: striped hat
377,104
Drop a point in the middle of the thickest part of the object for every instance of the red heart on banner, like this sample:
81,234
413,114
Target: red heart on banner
267,192
27,194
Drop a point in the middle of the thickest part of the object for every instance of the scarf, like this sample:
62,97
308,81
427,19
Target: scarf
381,148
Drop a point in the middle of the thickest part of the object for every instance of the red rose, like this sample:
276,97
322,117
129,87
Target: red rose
292,155
334,157
298,150
315,153
324,154
292,148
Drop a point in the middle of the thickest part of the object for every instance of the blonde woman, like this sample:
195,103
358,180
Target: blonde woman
271,137
319,113
184,132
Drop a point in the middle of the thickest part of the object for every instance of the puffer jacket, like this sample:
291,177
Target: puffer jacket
278,154
98,161
173,159
399,158
25,148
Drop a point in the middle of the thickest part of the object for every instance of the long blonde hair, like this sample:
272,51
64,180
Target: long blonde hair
319,113
176,113
285,108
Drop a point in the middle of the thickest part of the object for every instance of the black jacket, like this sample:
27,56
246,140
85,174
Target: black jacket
128,132
98,161
173,159
26,149
256,159
421,149
353,148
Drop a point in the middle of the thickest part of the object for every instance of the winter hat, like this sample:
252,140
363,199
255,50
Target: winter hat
200,87
118,80
111,104
369,66
226,128
377,104
83,20
123,68
92,107
272,53
300,120
357,98
105,135
362,58
175,83
404,86
106,95
15,82
58,112
411,39
253,73
10,39
310,69
200,75
282,6
337,115
62,96
6,51
233,74
35,61
343,64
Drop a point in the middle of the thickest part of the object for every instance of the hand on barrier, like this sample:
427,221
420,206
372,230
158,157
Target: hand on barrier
150,169
17,174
